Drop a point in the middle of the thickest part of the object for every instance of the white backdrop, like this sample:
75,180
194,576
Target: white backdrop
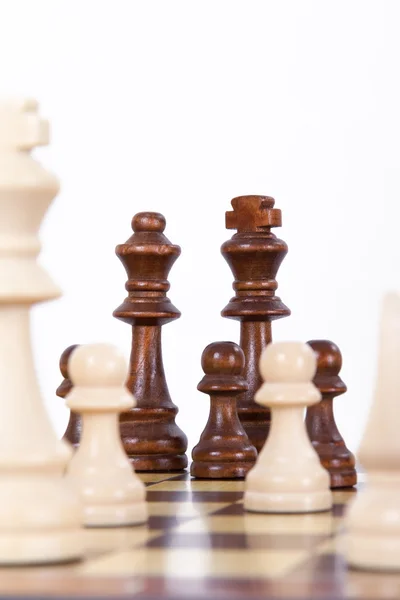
177,107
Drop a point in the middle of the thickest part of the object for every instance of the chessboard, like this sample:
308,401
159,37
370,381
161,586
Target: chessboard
200,543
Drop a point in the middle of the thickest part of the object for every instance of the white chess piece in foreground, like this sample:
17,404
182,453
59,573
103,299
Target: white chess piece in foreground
288,476
40,517
372,522
111,492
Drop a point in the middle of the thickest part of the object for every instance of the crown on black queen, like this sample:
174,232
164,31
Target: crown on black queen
147,256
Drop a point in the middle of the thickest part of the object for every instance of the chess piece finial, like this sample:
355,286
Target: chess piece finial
320,420
287,476
253,213
111,492
254,255
40,518
74,428
21,130
224,450
225,359
149,222
372,523
21,126
152,439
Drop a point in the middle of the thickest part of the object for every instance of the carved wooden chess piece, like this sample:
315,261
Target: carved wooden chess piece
288,476
320,420
224,450
40,516
371,538
111,492
74,428
254,255
151,438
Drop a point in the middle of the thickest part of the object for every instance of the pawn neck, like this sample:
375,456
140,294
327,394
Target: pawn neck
100,437
223,418
290,420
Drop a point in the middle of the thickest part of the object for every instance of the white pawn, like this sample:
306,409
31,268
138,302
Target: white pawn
287,476
111,492
373,519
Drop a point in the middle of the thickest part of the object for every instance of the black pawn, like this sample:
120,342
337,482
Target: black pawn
74,428
224,450
320,421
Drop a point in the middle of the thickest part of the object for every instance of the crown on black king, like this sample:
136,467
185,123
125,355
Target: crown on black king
149,433
254,255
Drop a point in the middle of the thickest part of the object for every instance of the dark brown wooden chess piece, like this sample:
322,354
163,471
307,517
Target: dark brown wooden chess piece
73,432
320,420
224,450
151,438
254,255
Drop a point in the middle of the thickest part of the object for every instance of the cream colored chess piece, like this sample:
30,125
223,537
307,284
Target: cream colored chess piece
40,516
373,518
287,476
111,491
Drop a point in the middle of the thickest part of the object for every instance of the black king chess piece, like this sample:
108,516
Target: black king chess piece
254,255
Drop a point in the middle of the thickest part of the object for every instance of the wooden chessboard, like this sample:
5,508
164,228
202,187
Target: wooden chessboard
199,544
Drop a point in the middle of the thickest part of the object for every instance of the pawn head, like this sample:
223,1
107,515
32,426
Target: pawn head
97,365
222,358
64,360
329,358
288,362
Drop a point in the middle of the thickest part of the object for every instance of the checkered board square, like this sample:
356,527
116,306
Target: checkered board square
199,543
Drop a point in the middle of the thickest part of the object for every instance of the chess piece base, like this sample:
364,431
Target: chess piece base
158,462
288,502
373,552
38,547
209,470
372,539
160,447
115,515
343,479
40,518
337,460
